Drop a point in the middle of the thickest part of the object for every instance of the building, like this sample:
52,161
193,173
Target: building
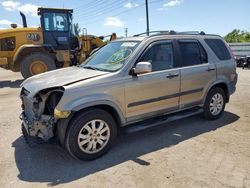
240,49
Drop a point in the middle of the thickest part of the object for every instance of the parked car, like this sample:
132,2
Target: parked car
131,81
246,63
240,61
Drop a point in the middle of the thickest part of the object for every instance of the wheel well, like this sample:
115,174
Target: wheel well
25,52
225,89
63,124
112,111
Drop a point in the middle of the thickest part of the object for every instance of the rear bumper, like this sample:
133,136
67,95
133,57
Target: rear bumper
231,89
232,85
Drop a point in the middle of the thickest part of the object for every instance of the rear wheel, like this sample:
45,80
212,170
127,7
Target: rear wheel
36,63
91,134
214,104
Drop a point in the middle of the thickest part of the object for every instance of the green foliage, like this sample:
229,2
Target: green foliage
238,35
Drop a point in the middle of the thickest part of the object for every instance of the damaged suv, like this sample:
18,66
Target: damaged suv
137,81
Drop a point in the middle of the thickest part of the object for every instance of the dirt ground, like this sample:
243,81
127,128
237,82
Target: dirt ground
190,152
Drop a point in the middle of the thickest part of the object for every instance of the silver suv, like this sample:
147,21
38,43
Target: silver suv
129,82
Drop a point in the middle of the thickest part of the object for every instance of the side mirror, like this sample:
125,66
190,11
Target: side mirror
142,67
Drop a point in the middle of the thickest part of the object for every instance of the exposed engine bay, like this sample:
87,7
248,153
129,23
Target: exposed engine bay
38,112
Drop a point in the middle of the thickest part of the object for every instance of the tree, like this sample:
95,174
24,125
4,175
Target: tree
237,35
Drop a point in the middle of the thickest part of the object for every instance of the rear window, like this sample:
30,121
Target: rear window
219,48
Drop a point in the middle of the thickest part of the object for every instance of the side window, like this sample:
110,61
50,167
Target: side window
55,22
192,53
219,48
160,56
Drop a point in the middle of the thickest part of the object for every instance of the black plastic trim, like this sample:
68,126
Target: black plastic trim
133,104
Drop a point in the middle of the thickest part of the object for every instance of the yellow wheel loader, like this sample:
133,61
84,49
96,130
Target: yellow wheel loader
53,45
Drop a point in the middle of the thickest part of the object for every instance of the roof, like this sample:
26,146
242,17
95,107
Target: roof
175,33
43,9
132,38
168,34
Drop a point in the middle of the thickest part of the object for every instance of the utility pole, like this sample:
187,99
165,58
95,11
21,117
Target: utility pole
126,32
146,3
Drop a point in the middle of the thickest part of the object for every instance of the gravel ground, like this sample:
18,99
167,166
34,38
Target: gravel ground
190,152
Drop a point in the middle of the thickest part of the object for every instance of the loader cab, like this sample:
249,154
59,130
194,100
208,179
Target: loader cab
58,29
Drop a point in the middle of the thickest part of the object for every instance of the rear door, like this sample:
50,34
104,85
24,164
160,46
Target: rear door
197,72
155,92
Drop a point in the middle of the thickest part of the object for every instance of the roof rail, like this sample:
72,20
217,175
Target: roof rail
191,33
152,32
171,32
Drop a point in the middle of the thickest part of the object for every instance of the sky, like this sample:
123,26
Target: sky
102,17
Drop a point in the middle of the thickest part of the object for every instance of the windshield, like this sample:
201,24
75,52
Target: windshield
111,57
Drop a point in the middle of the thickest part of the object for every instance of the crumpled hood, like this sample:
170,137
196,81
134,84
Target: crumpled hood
58,78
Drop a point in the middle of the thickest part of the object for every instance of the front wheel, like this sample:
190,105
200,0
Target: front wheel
91,134
36,63
214,104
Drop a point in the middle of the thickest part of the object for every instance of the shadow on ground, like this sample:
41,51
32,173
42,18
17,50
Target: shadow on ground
52,165
11,84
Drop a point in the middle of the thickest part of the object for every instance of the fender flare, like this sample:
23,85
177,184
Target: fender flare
212,85
18,53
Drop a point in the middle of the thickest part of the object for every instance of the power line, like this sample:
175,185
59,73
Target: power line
140,5
109,7
91,4
93,21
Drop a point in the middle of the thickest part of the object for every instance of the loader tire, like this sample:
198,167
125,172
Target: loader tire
36,63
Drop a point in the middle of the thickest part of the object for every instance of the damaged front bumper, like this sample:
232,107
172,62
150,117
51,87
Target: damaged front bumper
37,117
42,128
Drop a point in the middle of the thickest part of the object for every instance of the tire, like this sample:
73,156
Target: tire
209,110
80,132
36,63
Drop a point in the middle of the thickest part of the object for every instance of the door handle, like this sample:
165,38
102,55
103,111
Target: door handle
210,69
172,75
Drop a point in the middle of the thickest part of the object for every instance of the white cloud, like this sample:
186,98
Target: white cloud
10,5
114,21
25,8
28,9
173,3
141,19
131,5
6,24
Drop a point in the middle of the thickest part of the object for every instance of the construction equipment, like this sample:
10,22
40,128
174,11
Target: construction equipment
52,45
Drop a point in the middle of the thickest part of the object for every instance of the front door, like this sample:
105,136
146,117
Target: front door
154,93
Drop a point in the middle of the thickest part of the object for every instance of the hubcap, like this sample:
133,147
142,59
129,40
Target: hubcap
93,136
216,104
38,67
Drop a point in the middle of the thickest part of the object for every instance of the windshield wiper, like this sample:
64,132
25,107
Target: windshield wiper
89,67
95,68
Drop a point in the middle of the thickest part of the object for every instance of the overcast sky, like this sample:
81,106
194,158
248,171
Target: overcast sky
102,17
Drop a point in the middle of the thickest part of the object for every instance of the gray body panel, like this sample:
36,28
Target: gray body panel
135,98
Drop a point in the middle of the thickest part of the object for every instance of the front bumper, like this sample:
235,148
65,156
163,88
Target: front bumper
42,128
